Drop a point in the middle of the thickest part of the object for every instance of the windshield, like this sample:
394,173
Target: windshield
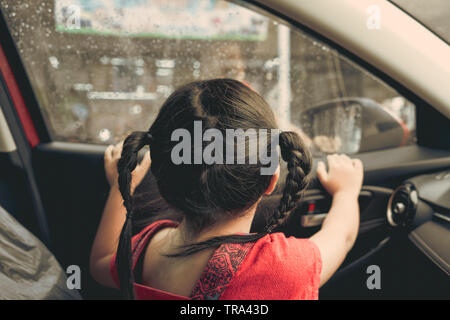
434,14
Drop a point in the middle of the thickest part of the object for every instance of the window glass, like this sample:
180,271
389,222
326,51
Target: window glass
102,68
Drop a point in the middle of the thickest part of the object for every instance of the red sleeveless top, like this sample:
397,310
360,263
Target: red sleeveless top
272,268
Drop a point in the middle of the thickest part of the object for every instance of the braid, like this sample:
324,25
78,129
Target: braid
298,160
127,163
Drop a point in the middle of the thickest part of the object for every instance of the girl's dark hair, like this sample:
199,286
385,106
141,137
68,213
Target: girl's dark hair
209,194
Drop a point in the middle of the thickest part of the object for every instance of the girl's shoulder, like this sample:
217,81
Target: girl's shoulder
278,267
138,244
287,252
140,240
151,229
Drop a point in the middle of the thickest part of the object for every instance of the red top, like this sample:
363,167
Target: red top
274,267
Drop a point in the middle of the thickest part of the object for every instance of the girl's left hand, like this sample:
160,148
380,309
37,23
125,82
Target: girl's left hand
112,156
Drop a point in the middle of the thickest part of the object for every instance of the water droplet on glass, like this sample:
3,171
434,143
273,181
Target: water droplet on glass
104,135
136,109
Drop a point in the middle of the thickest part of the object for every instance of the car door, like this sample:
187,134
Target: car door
77,76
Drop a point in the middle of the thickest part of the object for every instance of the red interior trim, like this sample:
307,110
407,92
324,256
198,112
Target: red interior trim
18,101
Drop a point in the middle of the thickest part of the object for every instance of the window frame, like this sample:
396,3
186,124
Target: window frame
423,23
14,61
36,112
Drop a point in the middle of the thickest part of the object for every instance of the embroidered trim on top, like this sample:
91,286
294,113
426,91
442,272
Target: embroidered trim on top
220,271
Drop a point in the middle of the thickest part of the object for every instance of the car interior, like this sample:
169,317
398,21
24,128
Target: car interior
56,187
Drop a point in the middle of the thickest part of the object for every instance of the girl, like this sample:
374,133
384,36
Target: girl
209,253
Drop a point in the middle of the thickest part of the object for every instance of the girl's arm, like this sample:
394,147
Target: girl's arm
339,230
113,218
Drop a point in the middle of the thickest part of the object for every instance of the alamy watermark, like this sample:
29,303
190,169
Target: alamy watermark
374,17
374,280
73,277
234,144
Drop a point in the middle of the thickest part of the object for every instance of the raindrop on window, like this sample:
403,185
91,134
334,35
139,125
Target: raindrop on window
54,62
139,71
136,109
104,135
196,73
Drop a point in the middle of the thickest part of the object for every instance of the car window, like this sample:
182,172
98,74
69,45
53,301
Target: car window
102,68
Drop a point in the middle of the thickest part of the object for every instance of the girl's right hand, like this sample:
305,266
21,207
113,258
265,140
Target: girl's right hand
112,156
340,228
344,174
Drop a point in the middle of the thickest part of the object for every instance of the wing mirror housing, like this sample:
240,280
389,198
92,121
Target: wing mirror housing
352,125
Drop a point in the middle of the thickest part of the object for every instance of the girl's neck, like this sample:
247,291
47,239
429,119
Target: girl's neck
242,224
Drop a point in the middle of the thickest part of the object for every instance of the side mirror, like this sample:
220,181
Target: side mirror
352,125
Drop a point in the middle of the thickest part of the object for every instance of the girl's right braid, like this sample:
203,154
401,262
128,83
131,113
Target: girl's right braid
298,160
